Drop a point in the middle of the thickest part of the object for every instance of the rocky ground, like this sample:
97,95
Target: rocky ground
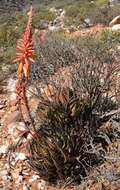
18,174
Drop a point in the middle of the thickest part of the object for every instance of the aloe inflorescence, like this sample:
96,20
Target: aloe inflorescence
25,50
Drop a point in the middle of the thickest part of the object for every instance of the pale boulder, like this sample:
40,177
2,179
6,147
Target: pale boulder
115,21
116,27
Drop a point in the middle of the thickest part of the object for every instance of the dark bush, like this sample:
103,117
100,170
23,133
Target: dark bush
67,145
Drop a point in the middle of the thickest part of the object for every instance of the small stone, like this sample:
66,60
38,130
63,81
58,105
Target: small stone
20,156
88,21
3,188
4,175
4,149
115,21
15,175
41,185
3,172
12,96
9,178
13,163
116,27
2,106
11,128
11,85
29,137
20,126
25,187
19,179
7,166
33,178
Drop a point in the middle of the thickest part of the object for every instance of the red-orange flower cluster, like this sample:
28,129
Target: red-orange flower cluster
25,50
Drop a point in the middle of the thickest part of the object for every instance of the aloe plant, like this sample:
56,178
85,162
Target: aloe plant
66,146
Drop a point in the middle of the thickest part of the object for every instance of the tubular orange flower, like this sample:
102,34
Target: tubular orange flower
25,50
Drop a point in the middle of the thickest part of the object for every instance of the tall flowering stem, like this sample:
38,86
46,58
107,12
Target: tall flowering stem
25,57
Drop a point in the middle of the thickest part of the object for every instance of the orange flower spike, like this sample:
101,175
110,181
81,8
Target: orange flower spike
25,50
20,70
26,68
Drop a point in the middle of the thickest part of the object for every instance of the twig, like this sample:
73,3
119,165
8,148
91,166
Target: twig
111,158
109,114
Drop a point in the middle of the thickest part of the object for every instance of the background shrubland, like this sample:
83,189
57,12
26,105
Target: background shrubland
13,20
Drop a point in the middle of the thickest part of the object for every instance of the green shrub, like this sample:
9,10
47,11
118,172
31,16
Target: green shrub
99,12
20,21
3,33
77,13
112,36
8,35
44,15
101,2
104,14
